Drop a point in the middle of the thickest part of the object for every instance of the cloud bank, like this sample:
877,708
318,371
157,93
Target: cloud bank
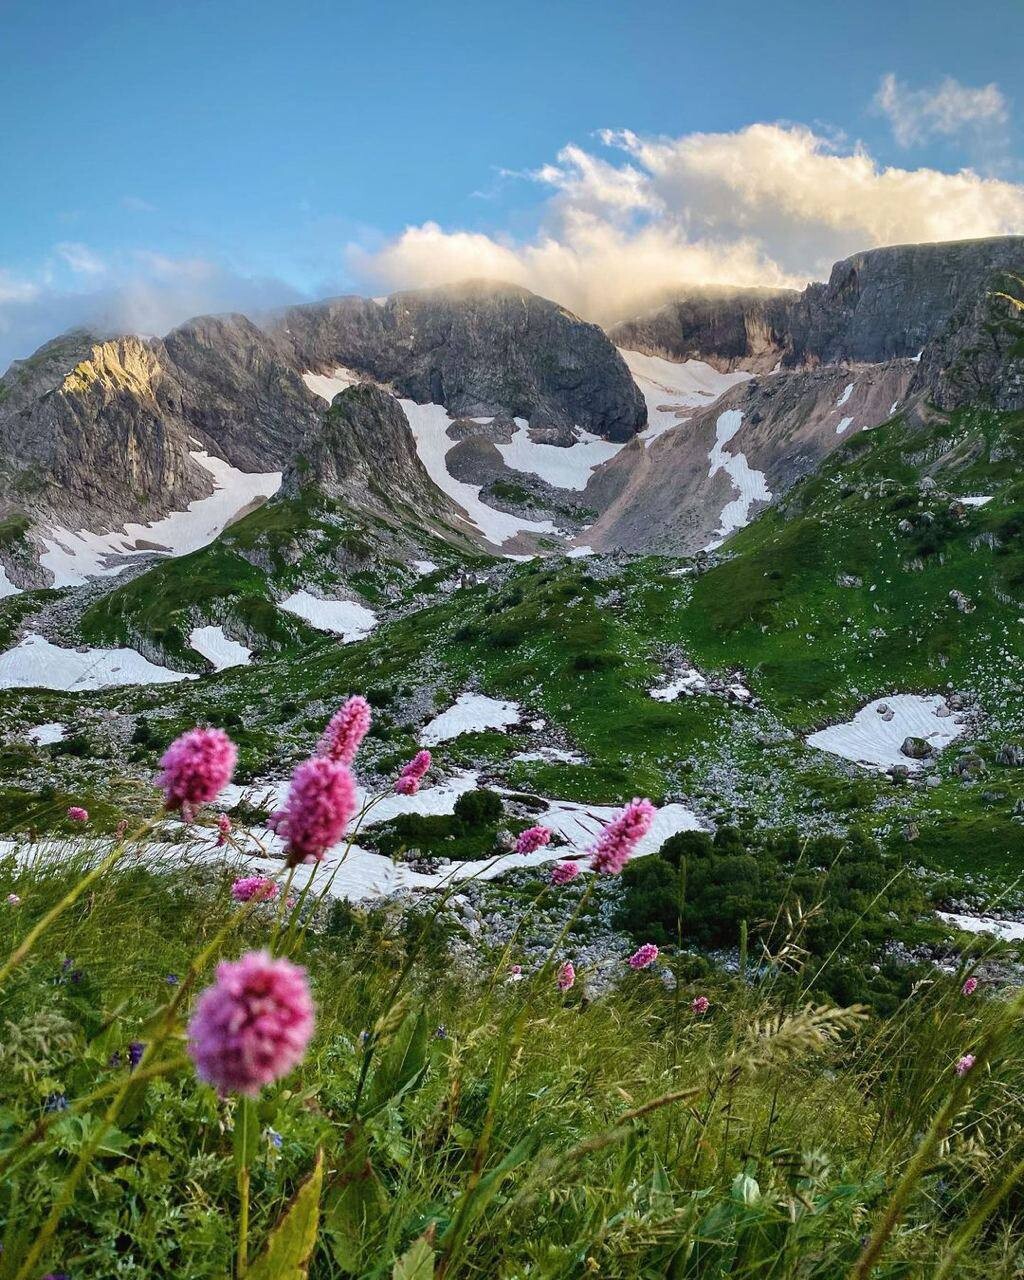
770,204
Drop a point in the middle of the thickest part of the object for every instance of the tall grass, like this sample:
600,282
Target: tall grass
477,1127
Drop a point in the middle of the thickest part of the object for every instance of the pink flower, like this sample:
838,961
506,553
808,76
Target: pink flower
644,956
532,839
964,1064
320,803
252,1026
261,887
969,987
196,767
408,781
617,842
515,970
13,900
566,976
223,828
564,872
700,1004
77,814
346,730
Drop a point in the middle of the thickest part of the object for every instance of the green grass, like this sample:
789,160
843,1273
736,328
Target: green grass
777,1162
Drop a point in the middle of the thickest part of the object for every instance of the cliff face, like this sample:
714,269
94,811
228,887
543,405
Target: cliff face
879,305
478,349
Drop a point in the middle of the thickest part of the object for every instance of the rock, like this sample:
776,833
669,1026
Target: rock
969,766
961,601
849,580
926,486
916,748
911,832
898,772
1011,754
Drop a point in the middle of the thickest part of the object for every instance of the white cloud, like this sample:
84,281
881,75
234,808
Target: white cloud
950,110
81,259
769,204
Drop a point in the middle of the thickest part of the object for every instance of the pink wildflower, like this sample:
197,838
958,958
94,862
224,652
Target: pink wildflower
567,976
13,900
617,842
408,781
321,802
532,839
700,1004
644,956
564,872
515,970
78,814
261,887
223,828
196,767
964,1064
346,730
252,1026
969,987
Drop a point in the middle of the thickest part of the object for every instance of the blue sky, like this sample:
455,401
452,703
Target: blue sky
164,156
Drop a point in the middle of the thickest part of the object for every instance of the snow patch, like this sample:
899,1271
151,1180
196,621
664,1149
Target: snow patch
217,648
345,618
328,385
72,558
669,386
580,552
7,587
975,501
423,567
470,713
568,467
1004,930
35,663
750,484
873,737
847,392
45,735
843,424
549,755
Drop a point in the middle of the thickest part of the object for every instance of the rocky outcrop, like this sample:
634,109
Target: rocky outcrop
477,348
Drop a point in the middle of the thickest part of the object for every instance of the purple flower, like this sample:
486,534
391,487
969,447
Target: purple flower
408,781
172,979
644,956
196,767
969,987
964,1064
274,1138
77,814
700,1004
617,842
55,1102
13,900
223,828
532,839
253,1025
320,803
247,887
566,976
135,1051
346,730
564,872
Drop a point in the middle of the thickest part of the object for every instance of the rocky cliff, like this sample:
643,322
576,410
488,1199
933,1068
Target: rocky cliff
479,349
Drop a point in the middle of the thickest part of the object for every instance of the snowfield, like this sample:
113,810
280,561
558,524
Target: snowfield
1005,930
73,558
35,663
7,587
45,735
328,385
217,648
345,618
750,484
670,386
873,738
469,714
565,467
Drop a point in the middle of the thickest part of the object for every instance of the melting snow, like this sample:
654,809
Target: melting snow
45,735
1005,930
549,755
580,552
975,501
843,424
873,740
37,664
750,484
688,682
217,648
7,587
423,567
429,423
74,557
669,386
568,467
328,385
472,712
346,618
847,392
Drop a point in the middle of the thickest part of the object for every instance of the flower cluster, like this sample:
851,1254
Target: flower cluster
261,887
320,804
253,1025
408,781
970,986
564,872
346,730
196,767
617,842
566,976
644,956
700,1004
223,828
78,814
964,1064
532,839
